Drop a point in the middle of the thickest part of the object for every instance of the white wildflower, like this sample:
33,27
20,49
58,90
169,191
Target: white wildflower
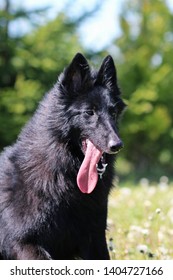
164,179
144,182
150,217
142,248
147,203
163,250
145,231
161,236
152,190
135,228
158,210
163,184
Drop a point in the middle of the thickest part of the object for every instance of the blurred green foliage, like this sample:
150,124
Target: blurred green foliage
146,77
30,64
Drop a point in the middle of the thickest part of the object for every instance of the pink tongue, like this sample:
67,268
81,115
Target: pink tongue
87,176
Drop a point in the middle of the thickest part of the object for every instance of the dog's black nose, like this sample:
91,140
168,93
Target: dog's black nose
115,146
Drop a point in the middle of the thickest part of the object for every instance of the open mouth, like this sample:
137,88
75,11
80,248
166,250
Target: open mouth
101,165
86,142
84,145
90,168
93,165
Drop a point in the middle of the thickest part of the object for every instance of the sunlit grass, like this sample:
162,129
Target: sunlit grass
140,223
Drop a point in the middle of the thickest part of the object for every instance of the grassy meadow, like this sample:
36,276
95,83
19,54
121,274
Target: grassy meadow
140,221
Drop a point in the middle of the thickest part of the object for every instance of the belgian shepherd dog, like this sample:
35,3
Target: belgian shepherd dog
55,180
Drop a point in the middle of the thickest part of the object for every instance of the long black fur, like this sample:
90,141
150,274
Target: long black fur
43,214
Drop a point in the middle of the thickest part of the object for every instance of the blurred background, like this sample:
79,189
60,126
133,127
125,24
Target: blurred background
39,38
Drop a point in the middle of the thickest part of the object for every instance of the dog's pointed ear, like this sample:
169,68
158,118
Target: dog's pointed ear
76,75
107,75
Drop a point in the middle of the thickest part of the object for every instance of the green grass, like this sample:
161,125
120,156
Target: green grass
140,221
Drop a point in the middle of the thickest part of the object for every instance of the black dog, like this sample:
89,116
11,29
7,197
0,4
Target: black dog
55,180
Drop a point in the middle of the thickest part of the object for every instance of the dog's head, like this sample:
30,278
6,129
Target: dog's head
93,105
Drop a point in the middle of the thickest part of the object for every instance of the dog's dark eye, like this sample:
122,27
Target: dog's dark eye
89,112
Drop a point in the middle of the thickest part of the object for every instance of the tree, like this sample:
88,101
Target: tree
29,66
147,80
